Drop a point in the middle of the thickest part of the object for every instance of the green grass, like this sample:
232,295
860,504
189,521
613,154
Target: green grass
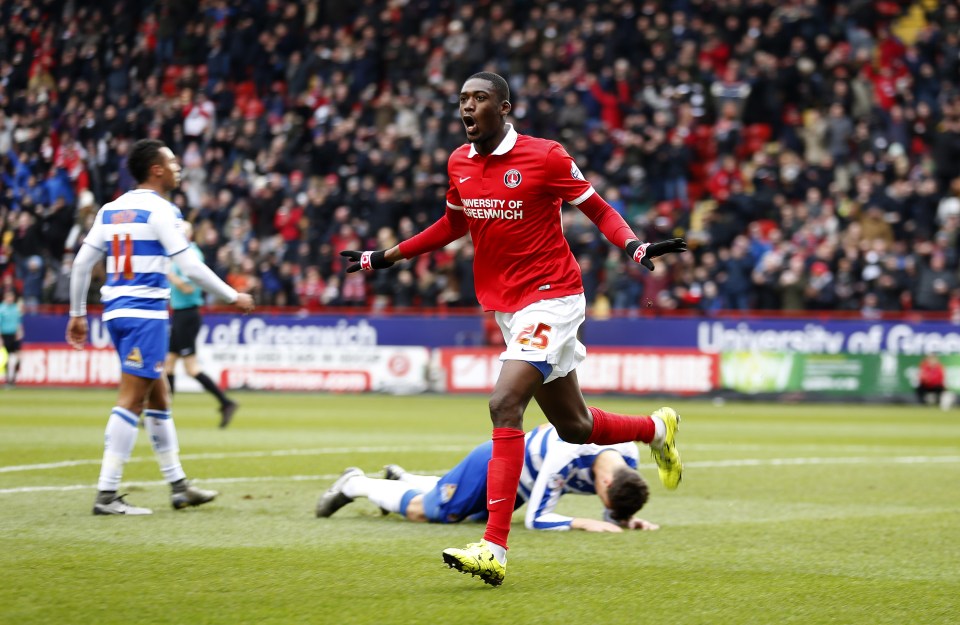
787,514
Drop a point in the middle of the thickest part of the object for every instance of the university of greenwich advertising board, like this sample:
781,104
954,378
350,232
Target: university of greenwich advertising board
281,330
334,353
804,336
626,355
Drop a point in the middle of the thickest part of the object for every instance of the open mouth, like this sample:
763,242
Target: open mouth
470,124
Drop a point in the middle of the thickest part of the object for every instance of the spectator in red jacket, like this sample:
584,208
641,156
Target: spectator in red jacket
287,220
722,179
930,380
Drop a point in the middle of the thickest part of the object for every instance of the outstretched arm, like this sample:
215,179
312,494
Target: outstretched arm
445,230
175,244
547,489
607,220
568,182
616,230
193,268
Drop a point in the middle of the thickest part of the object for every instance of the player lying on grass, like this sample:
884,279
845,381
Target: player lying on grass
552,468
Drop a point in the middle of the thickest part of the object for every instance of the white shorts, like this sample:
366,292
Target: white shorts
546,332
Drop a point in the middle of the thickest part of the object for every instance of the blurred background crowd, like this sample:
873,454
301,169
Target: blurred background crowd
809,150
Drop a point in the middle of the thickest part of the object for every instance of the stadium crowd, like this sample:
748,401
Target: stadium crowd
809,150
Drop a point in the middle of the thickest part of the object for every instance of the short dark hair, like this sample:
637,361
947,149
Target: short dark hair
144,154
500,85
626,494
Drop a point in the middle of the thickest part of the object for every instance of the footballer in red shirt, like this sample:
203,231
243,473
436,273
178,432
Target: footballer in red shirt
506,190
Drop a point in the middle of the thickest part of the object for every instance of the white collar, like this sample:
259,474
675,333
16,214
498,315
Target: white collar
505,146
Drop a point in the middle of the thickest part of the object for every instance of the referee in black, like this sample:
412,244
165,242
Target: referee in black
186,298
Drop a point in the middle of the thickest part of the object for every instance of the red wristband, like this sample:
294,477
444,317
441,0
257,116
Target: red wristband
640,252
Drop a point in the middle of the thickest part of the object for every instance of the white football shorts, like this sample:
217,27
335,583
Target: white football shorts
546,332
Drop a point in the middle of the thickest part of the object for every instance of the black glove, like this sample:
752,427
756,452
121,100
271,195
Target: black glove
367,261
644,252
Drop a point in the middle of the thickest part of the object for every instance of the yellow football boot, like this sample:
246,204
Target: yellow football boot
666,456
476,559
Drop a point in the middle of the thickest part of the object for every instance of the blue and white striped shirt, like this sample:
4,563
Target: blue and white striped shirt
138,232
553,467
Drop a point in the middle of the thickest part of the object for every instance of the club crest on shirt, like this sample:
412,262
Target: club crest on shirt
446,493
512,179
134,359
575,172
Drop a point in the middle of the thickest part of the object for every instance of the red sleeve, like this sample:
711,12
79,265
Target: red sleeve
608,220
447,229
565,179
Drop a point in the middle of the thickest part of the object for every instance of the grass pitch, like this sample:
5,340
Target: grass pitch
787,514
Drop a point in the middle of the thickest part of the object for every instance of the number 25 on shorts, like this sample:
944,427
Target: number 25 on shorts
535,336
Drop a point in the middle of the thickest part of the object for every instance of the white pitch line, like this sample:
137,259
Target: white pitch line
212,480
329,451
782,462
320,451
205,481
707,464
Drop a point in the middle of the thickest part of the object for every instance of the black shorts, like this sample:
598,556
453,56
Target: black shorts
11,343
184,328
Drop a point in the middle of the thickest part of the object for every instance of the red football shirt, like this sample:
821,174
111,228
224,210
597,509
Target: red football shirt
510,201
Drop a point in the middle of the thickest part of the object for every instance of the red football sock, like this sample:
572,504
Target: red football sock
503,478
610,428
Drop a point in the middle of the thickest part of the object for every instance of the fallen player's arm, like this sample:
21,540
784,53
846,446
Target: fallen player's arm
594,525
639,524
633,523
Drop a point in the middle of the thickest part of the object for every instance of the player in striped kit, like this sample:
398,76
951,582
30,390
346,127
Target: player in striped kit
139,233
552,468
507,189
